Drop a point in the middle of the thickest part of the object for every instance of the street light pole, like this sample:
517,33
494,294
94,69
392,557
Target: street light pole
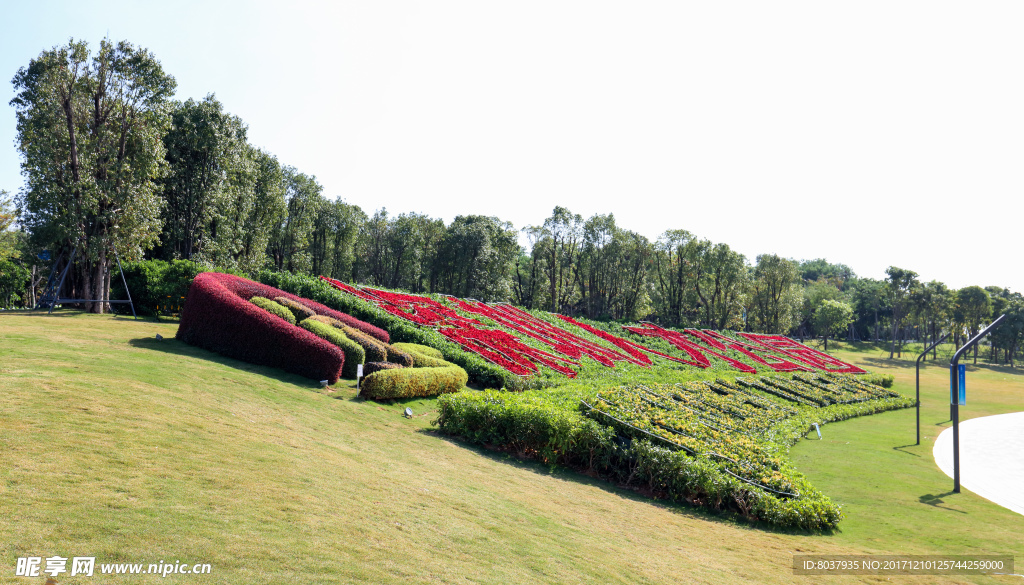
954,394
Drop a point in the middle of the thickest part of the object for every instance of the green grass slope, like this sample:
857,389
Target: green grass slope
116,445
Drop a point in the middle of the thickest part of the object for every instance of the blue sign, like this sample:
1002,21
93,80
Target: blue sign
961,379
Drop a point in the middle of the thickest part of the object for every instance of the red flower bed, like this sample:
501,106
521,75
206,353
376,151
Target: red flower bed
695,351
758,353
800,352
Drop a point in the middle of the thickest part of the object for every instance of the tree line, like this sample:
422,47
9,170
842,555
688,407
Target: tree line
115,167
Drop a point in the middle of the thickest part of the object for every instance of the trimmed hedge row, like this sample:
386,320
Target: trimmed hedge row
550,427
275,308
413,382
480,370
300,311
354,354
399,357
375,350
371,367
219,317
420,349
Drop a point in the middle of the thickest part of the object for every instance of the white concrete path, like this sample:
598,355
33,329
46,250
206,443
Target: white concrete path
991,458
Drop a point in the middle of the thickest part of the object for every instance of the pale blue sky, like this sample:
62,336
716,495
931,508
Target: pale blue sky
858,132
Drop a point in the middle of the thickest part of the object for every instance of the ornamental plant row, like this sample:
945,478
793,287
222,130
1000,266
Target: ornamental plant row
523,344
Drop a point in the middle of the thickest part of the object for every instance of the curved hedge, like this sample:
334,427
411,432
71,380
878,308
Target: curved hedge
219,317
376,350
299,310
274,308
354,354
420,349
371,367
413,382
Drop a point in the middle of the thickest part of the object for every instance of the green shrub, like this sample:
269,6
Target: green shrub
409,383
420,349
376,351
301,312
883,380
354,354
273,307
157,285
371,367
399,357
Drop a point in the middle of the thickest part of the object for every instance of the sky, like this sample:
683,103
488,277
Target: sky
873,134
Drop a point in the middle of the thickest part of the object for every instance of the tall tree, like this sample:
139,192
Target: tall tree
832,318
89,132
475,258
292,237
209,188
974,306
900,283
776,299
672,277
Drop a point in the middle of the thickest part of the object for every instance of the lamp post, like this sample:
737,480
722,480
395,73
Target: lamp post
954,394
918,378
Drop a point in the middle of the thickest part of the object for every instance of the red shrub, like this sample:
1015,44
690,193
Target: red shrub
219,317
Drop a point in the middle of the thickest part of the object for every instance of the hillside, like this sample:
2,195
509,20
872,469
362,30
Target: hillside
137,450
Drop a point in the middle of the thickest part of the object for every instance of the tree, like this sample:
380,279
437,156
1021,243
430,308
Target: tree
672,277
832,318
291,239
8,237
89,131
900,282
475,258
973,306
775,301
209,188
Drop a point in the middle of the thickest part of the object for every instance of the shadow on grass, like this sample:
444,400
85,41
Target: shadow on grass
531,465
176,347
935,500
902,447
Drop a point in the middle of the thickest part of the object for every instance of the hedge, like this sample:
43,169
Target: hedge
376,350
397,356
371,367
219,317
158,283
480,370
550,427
354,354
274,308
413,382
420,349
298,309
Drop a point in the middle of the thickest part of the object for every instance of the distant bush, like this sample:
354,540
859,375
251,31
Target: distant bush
275,308
883,380
158,286
219,317
354,354
298,309
371,367
413,382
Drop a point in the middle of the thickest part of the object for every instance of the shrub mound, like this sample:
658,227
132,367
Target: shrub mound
371,367
219,317
298,309
420,349
273,307
376,350
413,382
397,356
354,354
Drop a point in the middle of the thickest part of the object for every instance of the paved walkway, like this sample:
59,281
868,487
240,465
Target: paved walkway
991,458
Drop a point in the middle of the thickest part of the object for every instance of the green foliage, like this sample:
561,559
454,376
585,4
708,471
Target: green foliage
273,307
301,312
354,354
550,426
14,279
883,380
832,317
371,367
413,382
376,351
775,302
90,131
157,285
397,356
416,348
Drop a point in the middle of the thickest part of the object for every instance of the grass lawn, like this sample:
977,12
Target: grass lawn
129,449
